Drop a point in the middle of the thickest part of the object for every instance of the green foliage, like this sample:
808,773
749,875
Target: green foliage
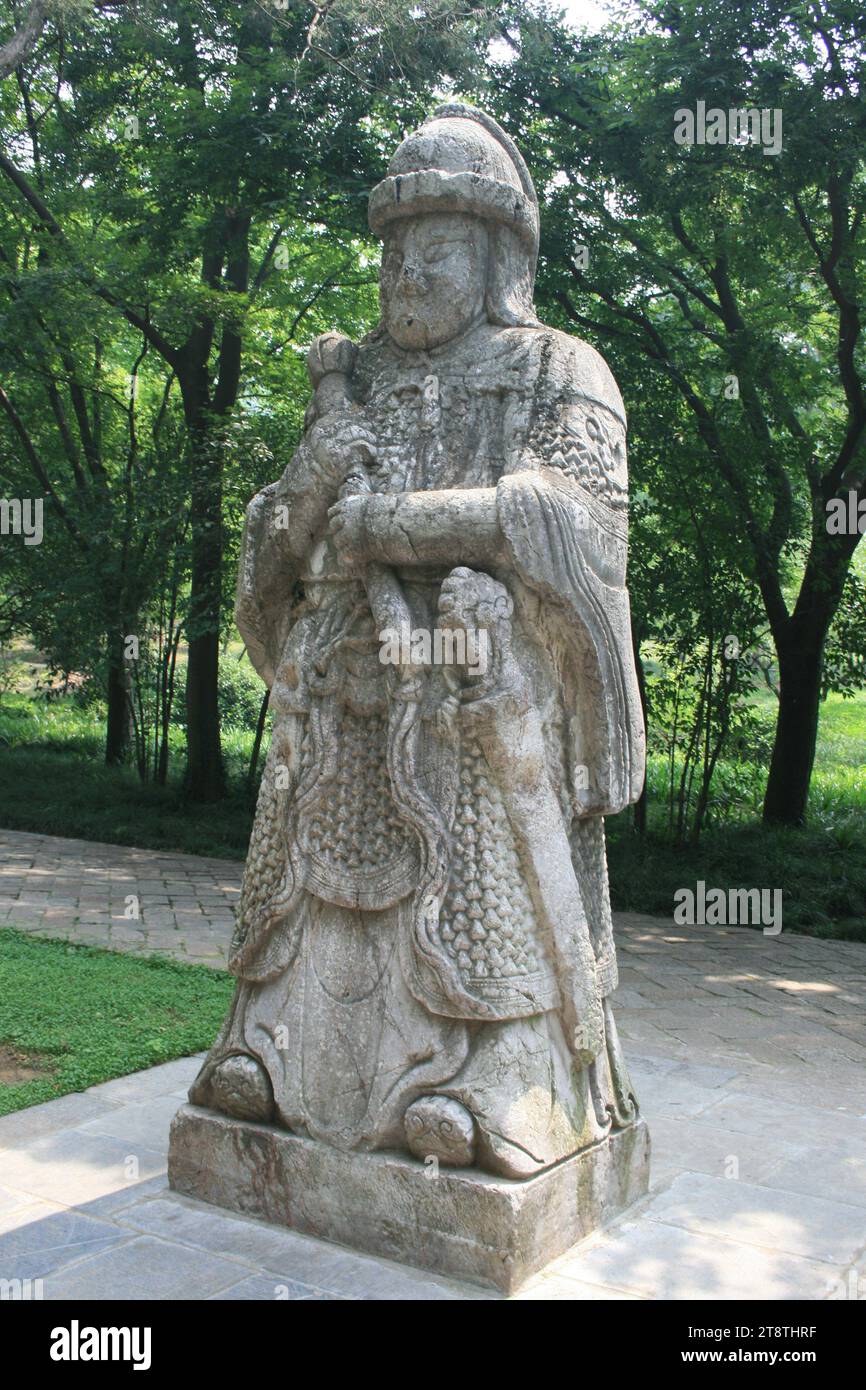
205,170
52,781
184,210
12,671
821,872
240,694
82,1016
725,285
844,668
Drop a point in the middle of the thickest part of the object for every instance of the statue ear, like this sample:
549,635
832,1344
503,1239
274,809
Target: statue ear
510,280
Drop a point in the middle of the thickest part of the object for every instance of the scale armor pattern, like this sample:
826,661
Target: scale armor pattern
589,449
355,824
487,923
590,862
266,856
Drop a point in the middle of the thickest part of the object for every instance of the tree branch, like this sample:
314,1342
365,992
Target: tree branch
22,43
51,225
36,464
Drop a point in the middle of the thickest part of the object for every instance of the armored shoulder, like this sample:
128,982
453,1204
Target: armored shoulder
571,368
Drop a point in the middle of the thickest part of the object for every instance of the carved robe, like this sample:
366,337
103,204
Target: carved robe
404,917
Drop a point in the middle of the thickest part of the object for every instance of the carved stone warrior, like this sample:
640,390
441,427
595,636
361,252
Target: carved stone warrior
424,952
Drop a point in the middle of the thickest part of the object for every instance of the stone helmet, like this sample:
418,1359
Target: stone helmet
461,160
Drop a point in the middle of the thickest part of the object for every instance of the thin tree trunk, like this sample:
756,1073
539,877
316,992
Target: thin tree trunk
640,805
117,729
205,774
712,754
257,742
169,668
672,759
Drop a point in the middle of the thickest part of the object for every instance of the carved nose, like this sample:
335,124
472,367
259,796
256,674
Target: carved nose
414,275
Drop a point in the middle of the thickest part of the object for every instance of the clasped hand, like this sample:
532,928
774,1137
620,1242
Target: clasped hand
341,444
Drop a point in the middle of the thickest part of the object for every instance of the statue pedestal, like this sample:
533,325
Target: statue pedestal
458,1222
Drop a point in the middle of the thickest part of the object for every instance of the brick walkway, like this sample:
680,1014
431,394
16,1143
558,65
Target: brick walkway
747,1051
127,899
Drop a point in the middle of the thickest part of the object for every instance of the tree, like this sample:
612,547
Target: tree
87,439
192,136
736,274
845,654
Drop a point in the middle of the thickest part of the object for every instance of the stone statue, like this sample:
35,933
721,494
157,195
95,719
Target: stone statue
434,592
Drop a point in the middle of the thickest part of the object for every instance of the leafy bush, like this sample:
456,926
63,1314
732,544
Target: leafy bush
240,694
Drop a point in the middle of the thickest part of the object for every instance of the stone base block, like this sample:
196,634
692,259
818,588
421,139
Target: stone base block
457,1222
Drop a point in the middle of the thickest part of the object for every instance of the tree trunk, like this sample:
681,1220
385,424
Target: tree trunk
117,723
796,732
800,649
205,774
167,698
257,743
228,241
640,806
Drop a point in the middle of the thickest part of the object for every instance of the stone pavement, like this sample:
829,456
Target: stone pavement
126,899
747,1052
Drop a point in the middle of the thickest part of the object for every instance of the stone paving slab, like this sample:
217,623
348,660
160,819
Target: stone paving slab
88,1215
746,1052
84,891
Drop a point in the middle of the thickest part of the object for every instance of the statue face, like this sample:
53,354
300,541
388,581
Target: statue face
433,277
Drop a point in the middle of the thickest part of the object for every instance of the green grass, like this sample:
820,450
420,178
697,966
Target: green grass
838,793
53,780
79,1015
843,732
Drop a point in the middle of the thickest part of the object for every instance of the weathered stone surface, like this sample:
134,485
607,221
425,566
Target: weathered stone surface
456,1221
434,591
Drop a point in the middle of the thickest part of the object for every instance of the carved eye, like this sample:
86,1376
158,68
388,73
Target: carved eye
440,251
593,428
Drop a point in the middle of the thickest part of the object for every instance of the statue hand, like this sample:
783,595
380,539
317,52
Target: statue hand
481,607
340,442
348,531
